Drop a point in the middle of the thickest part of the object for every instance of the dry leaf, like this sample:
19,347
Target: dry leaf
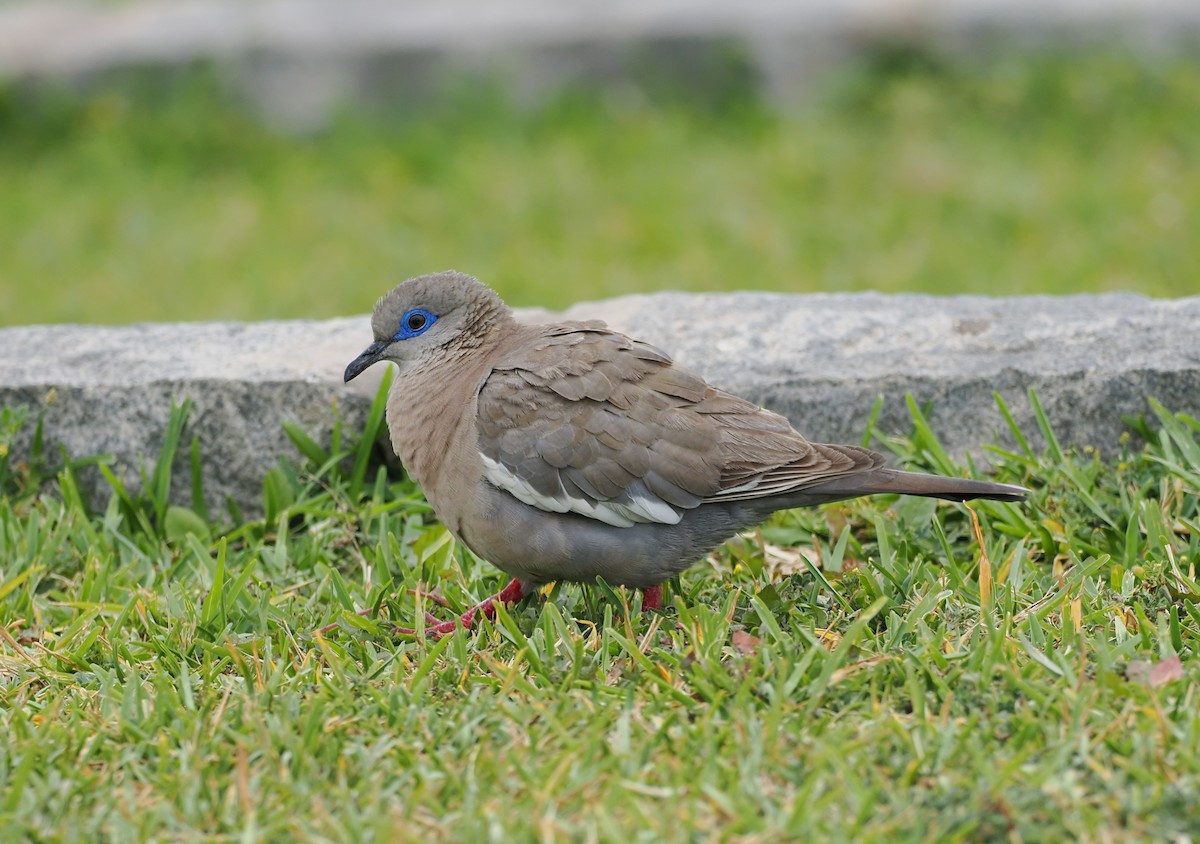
781,561
1165,671
744,642
1155,674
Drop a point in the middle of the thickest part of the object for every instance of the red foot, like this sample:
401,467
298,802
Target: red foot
510,594
652,598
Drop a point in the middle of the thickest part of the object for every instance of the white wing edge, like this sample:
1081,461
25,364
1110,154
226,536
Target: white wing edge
637,505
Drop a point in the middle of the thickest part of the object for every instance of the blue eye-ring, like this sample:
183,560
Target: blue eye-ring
416,321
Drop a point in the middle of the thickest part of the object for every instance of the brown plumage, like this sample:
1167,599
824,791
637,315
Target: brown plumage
569,451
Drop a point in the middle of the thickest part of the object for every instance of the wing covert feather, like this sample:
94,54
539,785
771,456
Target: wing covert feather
578,418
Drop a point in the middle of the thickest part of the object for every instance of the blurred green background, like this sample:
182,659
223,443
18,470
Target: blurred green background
1036,174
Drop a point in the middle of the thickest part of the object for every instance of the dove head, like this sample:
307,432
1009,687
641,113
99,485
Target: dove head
429,319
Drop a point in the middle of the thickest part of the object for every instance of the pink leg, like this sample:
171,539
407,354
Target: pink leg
510,594
652,598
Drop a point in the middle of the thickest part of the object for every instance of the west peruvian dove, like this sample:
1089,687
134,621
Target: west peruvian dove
567,451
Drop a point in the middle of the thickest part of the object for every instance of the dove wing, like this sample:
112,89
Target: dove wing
578,418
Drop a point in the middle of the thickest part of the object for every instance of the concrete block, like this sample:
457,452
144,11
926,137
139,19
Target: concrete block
820,359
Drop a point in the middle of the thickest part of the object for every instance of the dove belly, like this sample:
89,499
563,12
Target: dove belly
538,547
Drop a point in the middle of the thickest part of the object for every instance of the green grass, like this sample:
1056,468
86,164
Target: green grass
162,680
1018,175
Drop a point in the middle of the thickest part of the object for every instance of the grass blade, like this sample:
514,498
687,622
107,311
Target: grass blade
371,433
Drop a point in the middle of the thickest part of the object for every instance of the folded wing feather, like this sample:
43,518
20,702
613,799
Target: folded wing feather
577,418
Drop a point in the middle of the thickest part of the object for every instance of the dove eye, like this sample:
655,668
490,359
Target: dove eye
414,322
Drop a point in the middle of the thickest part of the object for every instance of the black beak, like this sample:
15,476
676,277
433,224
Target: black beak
372,354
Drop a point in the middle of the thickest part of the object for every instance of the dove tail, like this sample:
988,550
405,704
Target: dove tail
882,481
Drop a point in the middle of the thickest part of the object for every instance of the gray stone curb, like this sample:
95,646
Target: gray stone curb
820,359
